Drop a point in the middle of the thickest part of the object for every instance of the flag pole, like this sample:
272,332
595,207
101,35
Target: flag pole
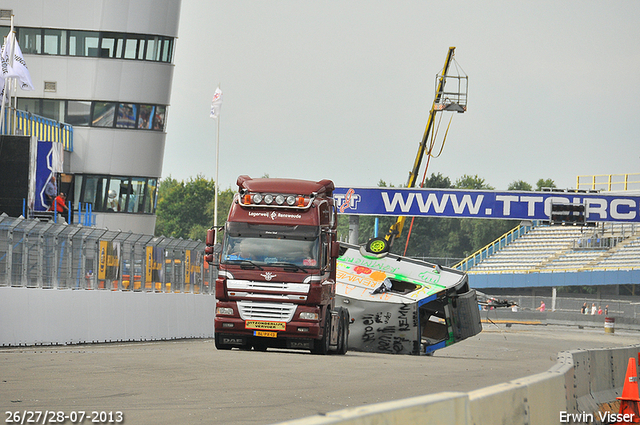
216,104
4,90
215,202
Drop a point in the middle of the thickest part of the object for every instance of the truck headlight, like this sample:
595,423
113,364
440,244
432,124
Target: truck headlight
291,200
257,198
280,199
308,315
224,310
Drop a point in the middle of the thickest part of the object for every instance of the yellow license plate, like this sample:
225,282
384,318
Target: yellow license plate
261,324
268,334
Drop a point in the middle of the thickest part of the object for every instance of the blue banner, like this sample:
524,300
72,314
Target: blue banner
516,205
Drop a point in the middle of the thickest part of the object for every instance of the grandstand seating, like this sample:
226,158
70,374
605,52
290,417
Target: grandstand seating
567,249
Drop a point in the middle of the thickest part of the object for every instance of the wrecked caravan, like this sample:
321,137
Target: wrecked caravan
400,305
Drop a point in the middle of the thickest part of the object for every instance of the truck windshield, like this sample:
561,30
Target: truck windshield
264,245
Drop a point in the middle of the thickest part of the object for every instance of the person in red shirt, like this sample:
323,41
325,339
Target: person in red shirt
61,205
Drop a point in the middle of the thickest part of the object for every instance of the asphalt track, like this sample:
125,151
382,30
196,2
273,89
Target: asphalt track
190,382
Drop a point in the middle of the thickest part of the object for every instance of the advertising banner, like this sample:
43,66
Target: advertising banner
48,162
513,205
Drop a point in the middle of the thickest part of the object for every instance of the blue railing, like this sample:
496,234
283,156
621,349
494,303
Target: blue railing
45,129
491,248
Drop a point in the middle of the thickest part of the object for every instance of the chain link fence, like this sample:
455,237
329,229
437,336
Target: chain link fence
42,254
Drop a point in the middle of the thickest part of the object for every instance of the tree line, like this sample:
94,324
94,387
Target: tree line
185,209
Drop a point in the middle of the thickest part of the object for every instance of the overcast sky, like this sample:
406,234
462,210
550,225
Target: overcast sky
342,89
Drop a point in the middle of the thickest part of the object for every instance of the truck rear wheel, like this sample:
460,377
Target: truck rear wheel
343,332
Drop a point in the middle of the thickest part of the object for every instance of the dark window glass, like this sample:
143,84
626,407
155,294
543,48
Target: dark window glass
52,41
159,117
108,46
153,49
83,43
145,116
117,194
98,114
130,48
30,40
166,50
137,198
30,105
93,192
103,114
78,112
55,42
126,115
150,197
53,109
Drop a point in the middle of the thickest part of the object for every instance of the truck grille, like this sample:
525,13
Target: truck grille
266,311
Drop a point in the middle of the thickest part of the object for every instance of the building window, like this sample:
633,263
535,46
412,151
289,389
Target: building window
103,114
78,113
126,115
117,194
158,118
30,40
53,109
51,41
55,42
83,43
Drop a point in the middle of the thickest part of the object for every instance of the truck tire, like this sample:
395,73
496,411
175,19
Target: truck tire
343,332
321,346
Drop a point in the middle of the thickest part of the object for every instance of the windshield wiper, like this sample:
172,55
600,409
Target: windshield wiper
244,264
289,265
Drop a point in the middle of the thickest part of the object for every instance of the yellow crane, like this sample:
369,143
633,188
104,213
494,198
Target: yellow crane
453,101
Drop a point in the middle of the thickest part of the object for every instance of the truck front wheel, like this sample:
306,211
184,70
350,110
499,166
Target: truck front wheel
321,346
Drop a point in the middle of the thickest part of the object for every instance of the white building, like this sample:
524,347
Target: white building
105,67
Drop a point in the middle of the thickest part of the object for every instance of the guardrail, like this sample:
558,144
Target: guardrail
609,182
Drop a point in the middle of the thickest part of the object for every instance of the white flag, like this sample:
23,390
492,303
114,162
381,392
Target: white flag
19,68
216,103
4,69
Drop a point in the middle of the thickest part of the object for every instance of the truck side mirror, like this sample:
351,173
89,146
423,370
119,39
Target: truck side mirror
211,235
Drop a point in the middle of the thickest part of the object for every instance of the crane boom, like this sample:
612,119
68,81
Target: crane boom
396,229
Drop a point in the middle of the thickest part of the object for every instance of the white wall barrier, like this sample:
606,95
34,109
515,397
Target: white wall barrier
577,384
32,316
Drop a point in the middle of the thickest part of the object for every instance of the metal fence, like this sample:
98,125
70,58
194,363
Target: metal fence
43,254
616,307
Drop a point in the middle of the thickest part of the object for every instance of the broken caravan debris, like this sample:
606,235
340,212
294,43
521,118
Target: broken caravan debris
399,305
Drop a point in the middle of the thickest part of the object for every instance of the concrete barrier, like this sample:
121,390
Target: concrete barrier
441,409
31,316
579,384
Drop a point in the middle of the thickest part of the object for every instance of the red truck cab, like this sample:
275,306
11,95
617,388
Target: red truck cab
276,279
